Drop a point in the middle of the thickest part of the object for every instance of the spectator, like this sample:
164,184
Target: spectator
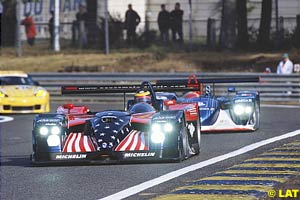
285,66
29,29
132,19
163,21
82,20
51,28
176,22
267,70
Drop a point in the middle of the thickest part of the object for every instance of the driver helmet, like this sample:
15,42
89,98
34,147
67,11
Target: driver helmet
142,96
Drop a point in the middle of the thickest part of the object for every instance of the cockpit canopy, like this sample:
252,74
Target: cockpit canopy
141,108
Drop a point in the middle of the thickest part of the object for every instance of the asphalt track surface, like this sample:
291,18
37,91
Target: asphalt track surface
20,180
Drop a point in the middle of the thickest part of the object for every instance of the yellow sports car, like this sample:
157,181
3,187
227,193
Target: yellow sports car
20,94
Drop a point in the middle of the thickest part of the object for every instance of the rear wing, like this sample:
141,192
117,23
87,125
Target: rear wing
197,84
102,89
193,81
174,85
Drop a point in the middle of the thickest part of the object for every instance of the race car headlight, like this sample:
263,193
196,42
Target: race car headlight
40,93
168,127
44,130
248,109
2,94
238,109
155,127
157,137
53,140
55,130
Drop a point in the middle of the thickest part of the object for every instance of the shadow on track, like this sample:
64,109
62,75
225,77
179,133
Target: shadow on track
21,161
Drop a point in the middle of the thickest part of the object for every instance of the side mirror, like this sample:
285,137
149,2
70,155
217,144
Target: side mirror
68,106
158,104
231,89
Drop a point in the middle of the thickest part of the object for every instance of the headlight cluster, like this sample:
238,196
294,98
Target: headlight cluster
2,94
158,132
167,127
53,140
242,109
54,130
40,93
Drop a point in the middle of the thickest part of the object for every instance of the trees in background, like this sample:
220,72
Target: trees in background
234,24
228,24
263,39
8,21
242,24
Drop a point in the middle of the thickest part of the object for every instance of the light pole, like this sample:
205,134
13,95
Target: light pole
106,27
190,26
190,21
18,42
56,25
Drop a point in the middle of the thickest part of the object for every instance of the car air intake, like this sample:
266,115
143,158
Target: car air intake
6,107
37,107
21,108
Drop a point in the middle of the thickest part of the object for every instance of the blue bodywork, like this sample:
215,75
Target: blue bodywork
210,106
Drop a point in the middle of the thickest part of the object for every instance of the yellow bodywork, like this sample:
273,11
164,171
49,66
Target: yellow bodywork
22,98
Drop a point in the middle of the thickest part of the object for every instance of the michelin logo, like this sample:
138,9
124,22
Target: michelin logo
70,156
136,155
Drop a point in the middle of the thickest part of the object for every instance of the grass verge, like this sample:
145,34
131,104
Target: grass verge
154,59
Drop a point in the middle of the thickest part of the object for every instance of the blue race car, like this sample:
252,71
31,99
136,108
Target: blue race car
237,111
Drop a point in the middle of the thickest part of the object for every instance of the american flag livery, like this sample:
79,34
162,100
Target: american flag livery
78,142
134,141
193,110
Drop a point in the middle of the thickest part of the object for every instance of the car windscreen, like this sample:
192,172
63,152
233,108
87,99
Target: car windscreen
141,108
16,80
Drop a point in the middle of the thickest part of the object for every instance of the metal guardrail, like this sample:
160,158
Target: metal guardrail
272,87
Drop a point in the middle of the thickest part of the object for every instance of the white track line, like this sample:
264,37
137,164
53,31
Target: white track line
5,119
156,181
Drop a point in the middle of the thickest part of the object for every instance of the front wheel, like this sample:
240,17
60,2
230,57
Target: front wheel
256,117
184,147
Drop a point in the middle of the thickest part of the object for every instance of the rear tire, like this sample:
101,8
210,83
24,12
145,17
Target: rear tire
197,145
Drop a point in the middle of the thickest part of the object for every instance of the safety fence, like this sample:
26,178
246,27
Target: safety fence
272,87
197,18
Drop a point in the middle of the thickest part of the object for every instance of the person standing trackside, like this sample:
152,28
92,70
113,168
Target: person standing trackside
51,28
163,21
132,19
285,66
82,22
29,29
176,22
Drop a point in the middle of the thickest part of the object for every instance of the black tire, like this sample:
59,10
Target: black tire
256,116
197,146
185,148
182,140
